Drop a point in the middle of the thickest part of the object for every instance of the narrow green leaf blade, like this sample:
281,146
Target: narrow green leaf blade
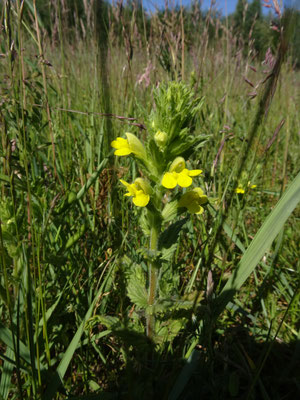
57,379
6,376
185,375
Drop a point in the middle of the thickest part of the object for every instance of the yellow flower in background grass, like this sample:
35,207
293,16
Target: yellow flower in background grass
240,189
179,175
132,144
193,200
139,190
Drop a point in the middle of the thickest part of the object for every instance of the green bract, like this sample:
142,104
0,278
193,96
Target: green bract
171,126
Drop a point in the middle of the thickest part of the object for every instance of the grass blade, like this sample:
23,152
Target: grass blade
6,338
185,375
6,376
57,379
260,244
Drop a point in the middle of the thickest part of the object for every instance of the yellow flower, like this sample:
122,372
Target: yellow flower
140,191
132,144
122,147
179,175
241,190
193,200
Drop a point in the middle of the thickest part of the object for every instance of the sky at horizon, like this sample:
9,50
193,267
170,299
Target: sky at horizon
221,5
226,7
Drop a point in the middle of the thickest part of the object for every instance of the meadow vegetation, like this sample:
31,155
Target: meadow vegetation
102,297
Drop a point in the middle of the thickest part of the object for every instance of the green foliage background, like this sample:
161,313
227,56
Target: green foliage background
71,243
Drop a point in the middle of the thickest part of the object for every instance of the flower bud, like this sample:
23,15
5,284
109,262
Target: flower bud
177,165
160,138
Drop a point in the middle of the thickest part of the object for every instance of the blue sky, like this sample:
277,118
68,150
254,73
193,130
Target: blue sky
225,6
221,4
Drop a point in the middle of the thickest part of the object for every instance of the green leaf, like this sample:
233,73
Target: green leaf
7,338
110,322
171,234
167,254
170,211
168,330
73,239
137,291
177,303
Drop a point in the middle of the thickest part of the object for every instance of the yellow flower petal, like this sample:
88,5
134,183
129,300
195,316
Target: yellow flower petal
124,183
195,208
199,192
195,172
201,209
184,180
239,190
119,143
141,199
192,200
169,181
122,147
138,190
130,188
179,174
122,152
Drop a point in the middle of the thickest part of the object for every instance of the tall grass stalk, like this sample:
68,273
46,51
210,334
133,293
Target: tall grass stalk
42,63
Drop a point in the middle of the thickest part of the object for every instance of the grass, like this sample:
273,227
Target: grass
68,235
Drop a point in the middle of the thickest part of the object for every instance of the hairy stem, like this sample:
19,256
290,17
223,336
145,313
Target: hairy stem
153,273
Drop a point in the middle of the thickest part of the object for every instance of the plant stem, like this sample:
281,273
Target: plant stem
153,270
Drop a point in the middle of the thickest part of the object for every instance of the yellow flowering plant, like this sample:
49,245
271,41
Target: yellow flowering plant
161,196
241,189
